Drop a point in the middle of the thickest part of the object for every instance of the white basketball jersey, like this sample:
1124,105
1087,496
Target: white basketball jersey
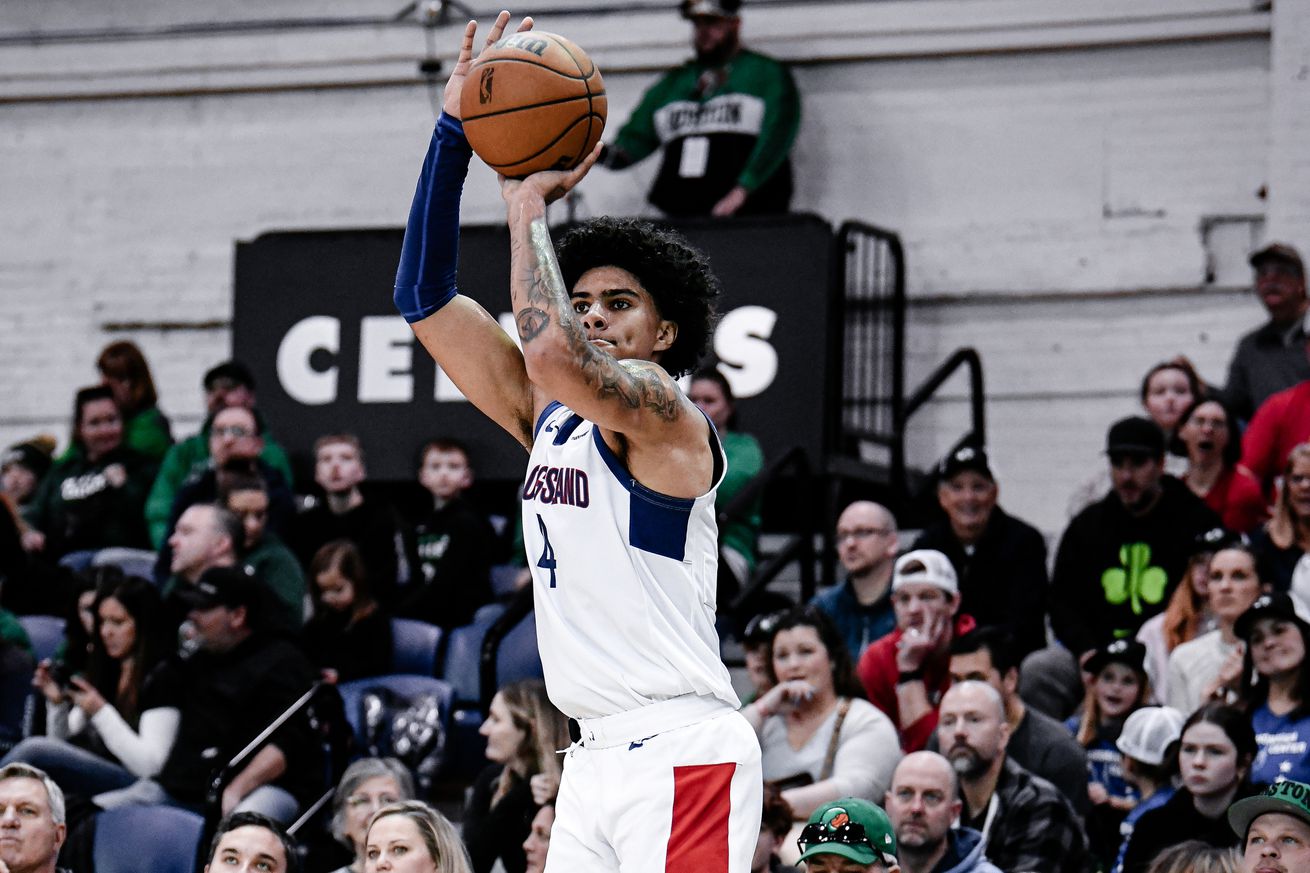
623,577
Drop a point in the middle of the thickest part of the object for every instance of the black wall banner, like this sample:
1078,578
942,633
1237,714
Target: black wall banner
314,321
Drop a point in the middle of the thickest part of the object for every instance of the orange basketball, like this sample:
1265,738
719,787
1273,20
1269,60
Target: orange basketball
533,101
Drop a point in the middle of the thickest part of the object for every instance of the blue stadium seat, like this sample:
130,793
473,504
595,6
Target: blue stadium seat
133,562
402,689
46,633
414,647
517,656
161,839
503,577
463,659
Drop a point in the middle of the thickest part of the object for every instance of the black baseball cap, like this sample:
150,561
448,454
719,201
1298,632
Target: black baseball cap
230,371
223,586
1135,436
966,458
1278,252
1274,605
1130,653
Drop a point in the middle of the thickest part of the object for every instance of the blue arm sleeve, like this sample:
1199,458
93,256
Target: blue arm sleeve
425,281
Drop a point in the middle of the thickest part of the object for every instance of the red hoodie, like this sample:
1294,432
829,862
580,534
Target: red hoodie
879,674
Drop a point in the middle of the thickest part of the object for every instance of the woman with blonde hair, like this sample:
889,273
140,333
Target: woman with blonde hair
1195,856
1285,540
524,734
412,837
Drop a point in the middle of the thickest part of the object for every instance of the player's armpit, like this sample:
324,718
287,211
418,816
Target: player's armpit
483,362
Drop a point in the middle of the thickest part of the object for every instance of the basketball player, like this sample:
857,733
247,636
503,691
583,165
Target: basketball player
618,507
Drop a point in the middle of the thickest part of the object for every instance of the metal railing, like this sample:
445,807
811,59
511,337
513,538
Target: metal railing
798,546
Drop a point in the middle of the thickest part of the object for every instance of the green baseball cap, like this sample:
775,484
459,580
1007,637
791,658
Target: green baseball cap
1289,798
852,828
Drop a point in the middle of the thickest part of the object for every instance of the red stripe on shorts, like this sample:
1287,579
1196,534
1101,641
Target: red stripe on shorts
702,800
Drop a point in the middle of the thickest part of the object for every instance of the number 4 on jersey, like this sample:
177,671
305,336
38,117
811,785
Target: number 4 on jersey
547,559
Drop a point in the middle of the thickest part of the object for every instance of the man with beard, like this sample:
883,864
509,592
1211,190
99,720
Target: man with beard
1026,823
726,122
923,803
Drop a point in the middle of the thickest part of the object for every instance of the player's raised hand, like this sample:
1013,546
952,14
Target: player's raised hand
550,185
450,97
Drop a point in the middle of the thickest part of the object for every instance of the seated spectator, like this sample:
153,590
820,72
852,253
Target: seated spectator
775,824
906,672
1026,823
819,740
738,536
368,785
228,384
249,841
1214,756
22,467
235,685
756,647
1207,435
206,536
923,805
1149,745
414,837
1167,390
851,835
1285,540
537,844
94,497
31,820
349,636
1271,358
452,548
524,732
999,559
1280,424
1274,829
1038,743
1119,560
246,496
1213,661
1118,688
145,429
235,441
344,513
1195,856
114,722
1187,616
861,607
1275,636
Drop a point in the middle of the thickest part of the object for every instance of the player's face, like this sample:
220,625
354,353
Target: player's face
338,468
504,736
1168,394
249,849
100,427
445,473
1234,585
619,315
117,629
1208,760
368,797
29,837
395,845
1277,648
1277,843
709,398
798,653
252,508
968,499
538,841
1118,689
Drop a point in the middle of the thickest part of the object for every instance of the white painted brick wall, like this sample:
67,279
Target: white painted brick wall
1015,179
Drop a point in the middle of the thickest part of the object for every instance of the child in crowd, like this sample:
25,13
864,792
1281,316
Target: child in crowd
451,548
349,636
1118,688
1149,743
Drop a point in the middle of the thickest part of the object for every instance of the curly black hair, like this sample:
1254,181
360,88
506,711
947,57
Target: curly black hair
677,277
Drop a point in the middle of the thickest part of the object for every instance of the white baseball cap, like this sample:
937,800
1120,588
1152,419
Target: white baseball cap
1149,732
925,566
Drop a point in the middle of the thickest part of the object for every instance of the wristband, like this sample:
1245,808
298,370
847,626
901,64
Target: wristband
429,256
910,676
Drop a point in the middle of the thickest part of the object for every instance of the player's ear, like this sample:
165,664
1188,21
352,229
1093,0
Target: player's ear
665,335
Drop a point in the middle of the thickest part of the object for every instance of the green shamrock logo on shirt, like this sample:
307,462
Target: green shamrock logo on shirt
1135,578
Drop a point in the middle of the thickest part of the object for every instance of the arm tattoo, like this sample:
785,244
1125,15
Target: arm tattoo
542,298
